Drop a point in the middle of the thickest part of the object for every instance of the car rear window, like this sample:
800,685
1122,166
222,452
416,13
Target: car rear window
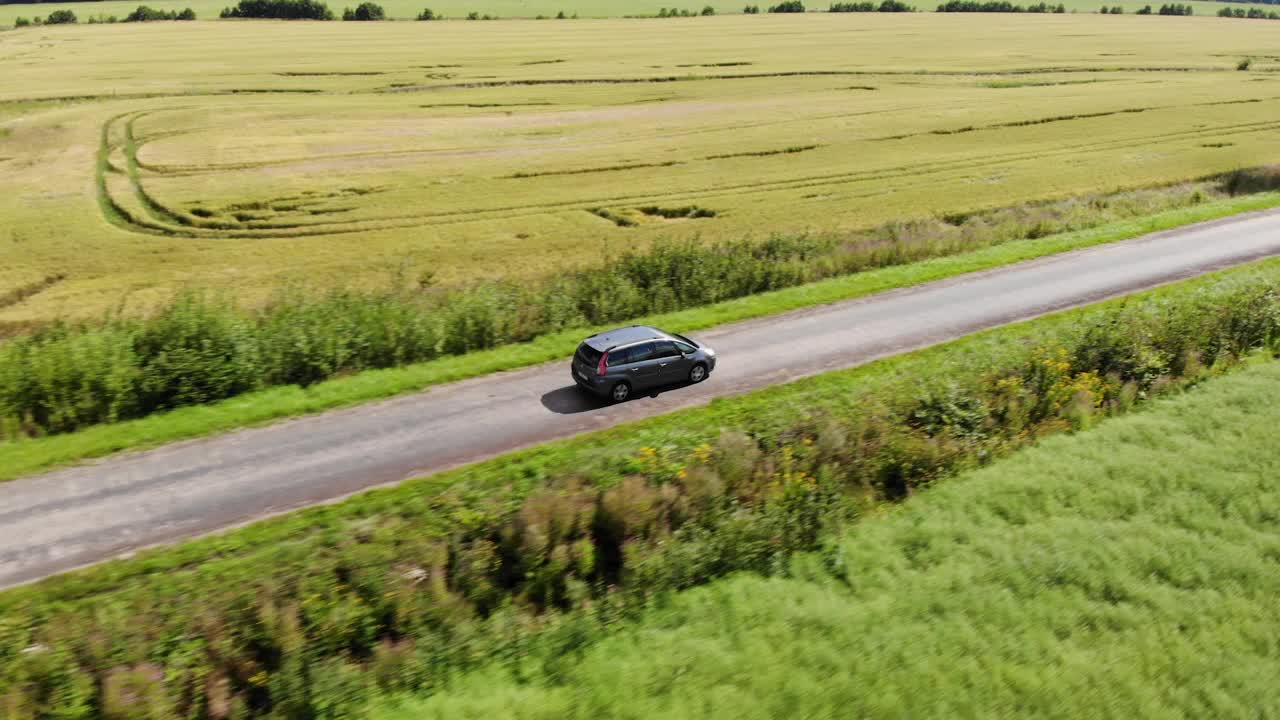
588,354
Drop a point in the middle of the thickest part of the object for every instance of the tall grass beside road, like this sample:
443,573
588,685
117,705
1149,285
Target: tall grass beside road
533,554
1128,571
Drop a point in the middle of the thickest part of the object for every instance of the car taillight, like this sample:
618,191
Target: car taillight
602,367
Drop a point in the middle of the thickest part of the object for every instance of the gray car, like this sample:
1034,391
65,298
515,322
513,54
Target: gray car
616,363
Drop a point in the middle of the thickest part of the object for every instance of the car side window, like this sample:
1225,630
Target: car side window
685,348
620,357
665,349
640,353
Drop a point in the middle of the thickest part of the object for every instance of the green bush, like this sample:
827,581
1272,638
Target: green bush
60,17
427,15
788,6
751,10
364,12
400,589
21,22
280,10
146,14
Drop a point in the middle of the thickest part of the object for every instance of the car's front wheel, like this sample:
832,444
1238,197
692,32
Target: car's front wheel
620,392
698,373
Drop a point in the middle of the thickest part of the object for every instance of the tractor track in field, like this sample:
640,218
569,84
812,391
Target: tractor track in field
160,214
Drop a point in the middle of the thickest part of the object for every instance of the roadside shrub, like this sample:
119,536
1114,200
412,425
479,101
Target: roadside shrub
1144,10
21,22
279,10
427,15
365,11
751,10
60,17
1176,9
788,6
708,10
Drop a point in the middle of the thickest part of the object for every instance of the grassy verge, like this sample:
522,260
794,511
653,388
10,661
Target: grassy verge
1129,571
527,557
24,457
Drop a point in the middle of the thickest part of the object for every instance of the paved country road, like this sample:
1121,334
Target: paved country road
57,521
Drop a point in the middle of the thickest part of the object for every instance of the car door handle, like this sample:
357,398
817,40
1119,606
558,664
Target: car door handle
663,364
634,369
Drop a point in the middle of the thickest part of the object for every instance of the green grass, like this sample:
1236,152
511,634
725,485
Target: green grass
28,456
260,154
1126,571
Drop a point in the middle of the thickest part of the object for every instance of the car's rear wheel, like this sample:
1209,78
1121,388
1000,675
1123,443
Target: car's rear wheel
697,373
620,392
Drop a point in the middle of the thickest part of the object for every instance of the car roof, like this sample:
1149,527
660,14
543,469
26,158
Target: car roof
623,336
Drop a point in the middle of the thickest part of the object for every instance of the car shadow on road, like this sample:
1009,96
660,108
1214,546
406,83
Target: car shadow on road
572,399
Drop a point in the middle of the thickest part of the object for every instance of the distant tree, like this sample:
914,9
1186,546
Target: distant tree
427,14
21,22
751,10
708,10
280,10
560,15
1146,10
788,6
147,14
365,12
473,16
1117,10
60,17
